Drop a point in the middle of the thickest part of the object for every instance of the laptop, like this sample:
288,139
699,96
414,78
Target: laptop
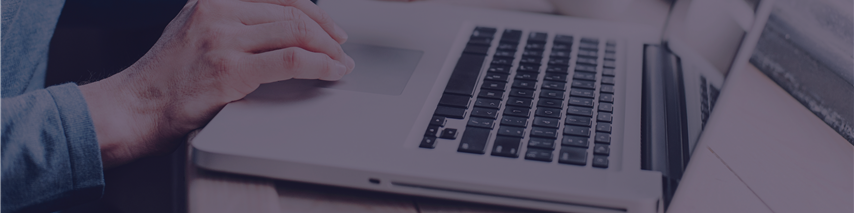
507,108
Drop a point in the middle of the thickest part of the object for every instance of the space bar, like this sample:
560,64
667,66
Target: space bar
464,78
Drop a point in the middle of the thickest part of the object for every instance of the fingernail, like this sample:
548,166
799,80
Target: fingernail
340,70
341,33
351,64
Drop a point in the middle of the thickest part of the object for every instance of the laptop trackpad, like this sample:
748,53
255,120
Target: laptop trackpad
381,70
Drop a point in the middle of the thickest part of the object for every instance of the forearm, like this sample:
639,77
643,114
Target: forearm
50,156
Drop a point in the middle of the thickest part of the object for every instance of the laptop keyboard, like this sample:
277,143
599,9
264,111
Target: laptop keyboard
529,99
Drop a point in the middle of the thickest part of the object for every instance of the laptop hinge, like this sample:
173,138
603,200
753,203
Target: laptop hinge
664,143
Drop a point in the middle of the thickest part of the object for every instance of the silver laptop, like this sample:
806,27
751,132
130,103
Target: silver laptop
507,108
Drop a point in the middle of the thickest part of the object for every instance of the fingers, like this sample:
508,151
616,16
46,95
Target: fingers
298,30
293,62
315,13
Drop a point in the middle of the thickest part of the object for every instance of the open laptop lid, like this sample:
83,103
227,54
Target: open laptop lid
711,38
702,42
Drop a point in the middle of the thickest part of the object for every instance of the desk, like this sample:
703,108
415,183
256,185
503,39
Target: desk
724,175
727,173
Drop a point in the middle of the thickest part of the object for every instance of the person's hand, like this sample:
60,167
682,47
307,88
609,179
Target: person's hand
214,52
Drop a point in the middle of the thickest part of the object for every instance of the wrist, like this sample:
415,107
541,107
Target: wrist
124,124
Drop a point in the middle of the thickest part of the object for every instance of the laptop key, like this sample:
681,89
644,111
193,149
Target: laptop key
530,60
554,85
588,53
603,138
454,100
506,146
588,61
606,98
603,127
572,155
485,41
499,69
590,40
600,161
507,46
484,113
517,111
559,54
562,47
608,80
511,131
528,68
604,116
553,103
525,84
535,46
428,142
511,35
537,37
449,133
487,103
502,61
588,46
584,84
504,54
544,132
484,32
584,75
582,93
437,121
558,69
474,140
451,112
574,110
522,93
608,89
538,154
578,101
543,143
495,76
464,77
574,141
494,85
610,56
586,68
559,61
495,94
520,102
431,131
555,77
601,149
548,112
514,121
563,39
546,122
527,75
481,122
606,107
578,120
608,71
532,53
551,94
577,131
477,49
609,64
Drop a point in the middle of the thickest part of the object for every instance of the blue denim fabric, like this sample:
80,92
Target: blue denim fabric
50,155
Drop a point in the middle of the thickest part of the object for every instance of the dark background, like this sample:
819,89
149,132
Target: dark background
93,40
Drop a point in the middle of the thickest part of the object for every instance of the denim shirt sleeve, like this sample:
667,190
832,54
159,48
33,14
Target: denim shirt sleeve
50,154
